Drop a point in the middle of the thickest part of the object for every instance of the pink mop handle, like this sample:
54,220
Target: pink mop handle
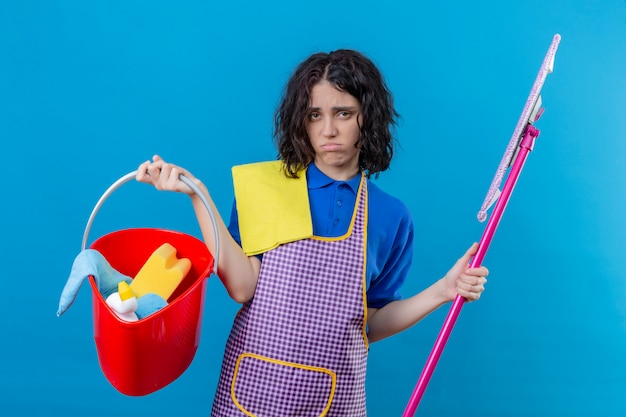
526,146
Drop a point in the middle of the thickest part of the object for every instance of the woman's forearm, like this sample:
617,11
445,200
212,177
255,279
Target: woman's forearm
238,272
402,314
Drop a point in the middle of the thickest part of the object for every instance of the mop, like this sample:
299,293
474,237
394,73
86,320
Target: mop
514,157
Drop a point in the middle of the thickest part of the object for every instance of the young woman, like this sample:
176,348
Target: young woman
315,251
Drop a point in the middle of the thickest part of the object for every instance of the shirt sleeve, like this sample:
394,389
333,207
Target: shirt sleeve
233,226
390,251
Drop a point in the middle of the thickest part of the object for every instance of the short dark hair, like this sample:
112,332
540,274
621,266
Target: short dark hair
348,71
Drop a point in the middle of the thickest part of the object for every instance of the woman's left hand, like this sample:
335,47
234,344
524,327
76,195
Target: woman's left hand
467,282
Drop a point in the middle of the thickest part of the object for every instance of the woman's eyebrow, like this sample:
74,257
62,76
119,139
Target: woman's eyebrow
334,108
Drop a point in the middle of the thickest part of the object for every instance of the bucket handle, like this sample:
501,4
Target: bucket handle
131,175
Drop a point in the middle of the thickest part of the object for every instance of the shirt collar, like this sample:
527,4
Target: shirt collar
317,179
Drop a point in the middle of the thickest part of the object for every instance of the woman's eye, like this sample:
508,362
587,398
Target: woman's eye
344,114
314,116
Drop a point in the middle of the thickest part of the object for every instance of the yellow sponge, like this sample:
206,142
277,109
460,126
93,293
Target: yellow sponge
161,273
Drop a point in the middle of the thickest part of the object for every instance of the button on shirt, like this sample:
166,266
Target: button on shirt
389,231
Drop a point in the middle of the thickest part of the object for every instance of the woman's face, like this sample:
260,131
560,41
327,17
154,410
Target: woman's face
332,125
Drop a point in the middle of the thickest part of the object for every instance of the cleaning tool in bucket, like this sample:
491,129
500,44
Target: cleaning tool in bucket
515,155
124,302
143,356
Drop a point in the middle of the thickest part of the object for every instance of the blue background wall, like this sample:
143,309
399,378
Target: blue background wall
88,90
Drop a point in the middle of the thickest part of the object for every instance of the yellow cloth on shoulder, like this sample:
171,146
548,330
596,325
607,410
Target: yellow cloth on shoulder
273,209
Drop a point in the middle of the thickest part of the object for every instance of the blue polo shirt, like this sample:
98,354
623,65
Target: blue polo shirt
389,230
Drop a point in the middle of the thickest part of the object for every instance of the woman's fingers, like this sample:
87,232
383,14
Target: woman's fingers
142,172
162,175
471,286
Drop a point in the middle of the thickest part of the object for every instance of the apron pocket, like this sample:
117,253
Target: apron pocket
264,386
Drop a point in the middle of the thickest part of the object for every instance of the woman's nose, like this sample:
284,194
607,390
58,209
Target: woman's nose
330,129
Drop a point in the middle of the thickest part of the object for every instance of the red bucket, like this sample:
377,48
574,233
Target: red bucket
141,357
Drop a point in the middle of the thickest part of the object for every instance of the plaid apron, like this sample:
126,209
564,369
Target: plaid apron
299,347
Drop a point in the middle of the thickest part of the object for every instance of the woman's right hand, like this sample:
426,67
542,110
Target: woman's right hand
164,176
